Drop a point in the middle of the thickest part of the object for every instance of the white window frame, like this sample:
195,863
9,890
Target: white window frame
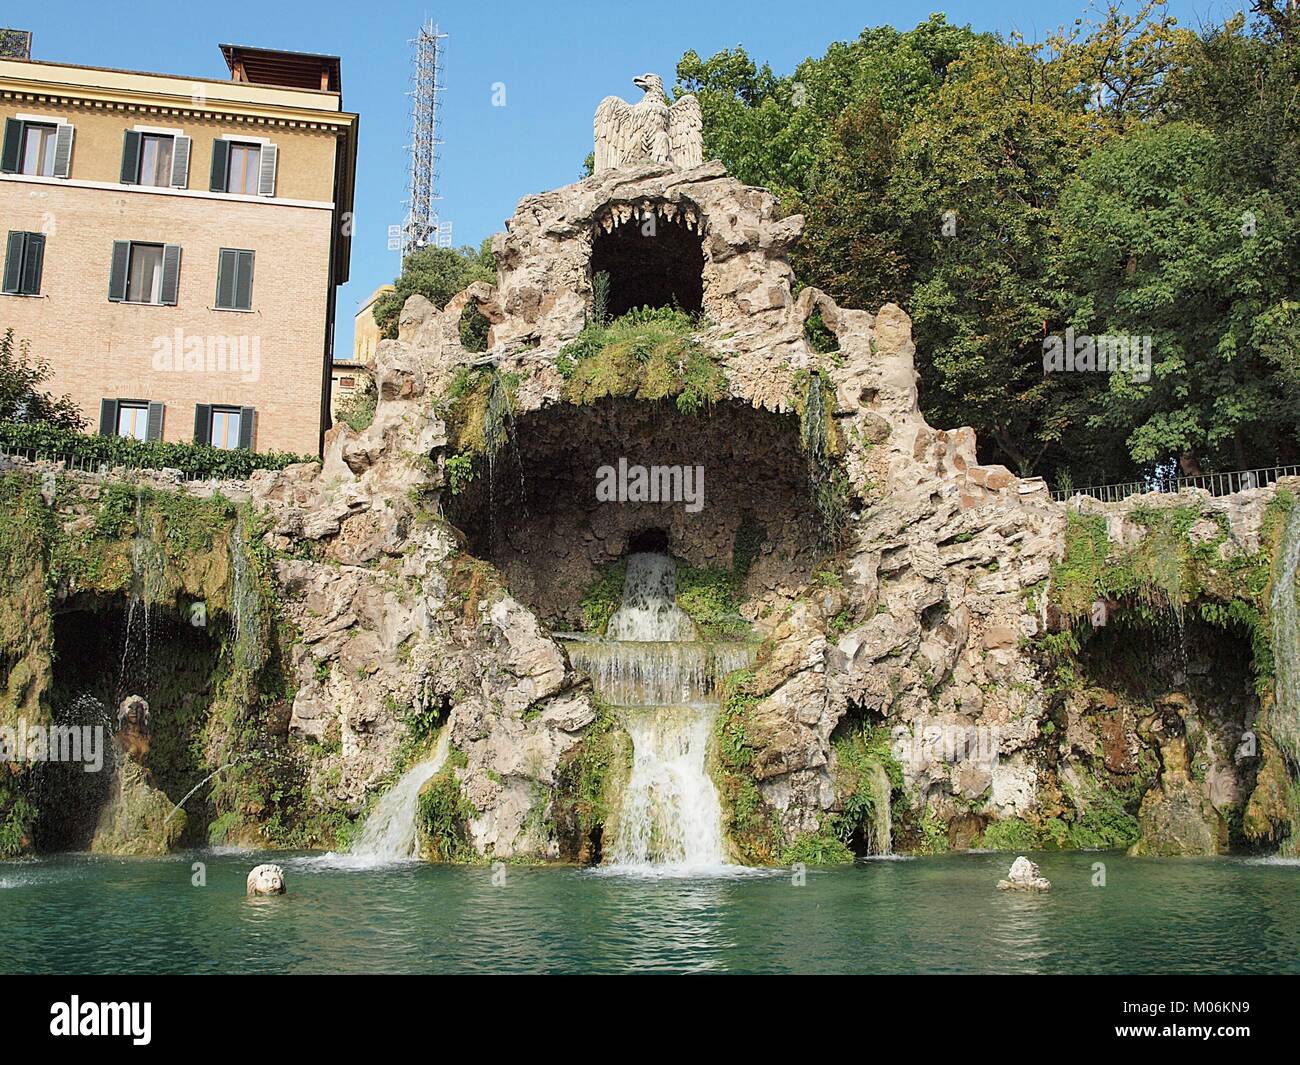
139,429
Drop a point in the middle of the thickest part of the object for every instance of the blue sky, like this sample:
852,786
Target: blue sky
556,60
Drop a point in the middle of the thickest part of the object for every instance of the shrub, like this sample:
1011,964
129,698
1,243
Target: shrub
43,440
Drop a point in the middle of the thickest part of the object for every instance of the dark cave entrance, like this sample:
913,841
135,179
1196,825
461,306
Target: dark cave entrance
107,649
652,263
536,515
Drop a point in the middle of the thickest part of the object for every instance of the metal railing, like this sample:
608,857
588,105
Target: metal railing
1217,484
87,464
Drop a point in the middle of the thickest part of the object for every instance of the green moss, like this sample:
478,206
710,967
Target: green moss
647,354
749,824
709,595
603,597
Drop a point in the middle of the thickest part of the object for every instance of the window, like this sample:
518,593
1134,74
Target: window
24,259
234,280
137,419
222,426
144,278
155,159
245,168
133,420
36,149
225,428
144,273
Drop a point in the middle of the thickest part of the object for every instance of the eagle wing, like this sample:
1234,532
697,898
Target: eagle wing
686,131
613,129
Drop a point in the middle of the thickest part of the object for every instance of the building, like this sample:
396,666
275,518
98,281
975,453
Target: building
173,244
354,375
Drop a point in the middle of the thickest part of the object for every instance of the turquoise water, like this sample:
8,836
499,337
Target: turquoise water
79,914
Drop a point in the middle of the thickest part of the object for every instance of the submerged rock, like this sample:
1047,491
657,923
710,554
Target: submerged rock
266,880
1024,876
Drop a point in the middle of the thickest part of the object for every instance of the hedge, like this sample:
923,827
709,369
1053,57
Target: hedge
42,440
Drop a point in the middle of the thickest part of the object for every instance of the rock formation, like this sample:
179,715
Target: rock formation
1024,876
931,627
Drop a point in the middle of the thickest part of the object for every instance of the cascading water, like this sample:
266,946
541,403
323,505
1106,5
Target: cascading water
663,683
1284,721
389,834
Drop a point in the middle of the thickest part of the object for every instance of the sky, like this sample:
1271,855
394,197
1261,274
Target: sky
555,59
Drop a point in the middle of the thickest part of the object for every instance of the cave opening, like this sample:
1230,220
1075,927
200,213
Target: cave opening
106,650
538,515
655,263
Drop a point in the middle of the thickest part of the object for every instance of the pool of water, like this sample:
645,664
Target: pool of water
81,914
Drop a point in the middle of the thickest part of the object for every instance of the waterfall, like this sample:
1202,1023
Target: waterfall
663,683
881,841
389,834
1284,721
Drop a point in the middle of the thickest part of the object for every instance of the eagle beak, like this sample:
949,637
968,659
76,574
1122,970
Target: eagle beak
639,82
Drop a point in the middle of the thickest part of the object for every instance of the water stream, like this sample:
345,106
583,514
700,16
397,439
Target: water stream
1284,722
663,683
389,834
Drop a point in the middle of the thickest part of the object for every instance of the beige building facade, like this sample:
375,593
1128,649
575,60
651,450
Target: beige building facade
172,245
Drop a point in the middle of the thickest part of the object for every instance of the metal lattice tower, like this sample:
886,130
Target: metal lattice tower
421,227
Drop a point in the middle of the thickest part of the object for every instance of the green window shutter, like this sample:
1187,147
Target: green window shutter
227,268
247,415
108,417
117,272
14,255
220,166
63,150
33,261
181,162
155,426
244,282
131,158
203,423
267,160
12,155
171,273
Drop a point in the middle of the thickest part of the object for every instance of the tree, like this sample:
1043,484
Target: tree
438,274
1161,242
21,397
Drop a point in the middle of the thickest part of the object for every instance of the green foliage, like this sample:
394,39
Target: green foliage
818,335
823,847
444,814
438,274
480,410
1122,176
358,409
21,397
473,328
603,598
201,460
460,471
751,827
647,354
710,596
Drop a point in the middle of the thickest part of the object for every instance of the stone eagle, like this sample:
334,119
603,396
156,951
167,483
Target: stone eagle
650,130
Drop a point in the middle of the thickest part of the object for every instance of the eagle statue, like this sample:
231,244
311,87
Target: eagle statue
650,130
